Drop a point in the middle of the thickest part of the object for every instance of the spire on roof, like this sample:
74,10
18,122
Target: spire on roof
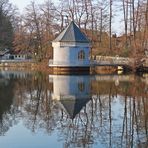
72,34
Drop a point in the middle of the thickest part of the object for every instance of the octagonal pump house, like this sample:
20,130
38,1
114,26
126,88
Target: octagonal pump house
71,50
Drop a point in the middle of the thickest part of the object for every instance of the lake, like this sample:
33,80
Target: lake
40,110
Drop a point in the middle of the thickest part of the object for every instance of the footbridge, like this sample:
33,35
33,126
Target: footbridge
118,61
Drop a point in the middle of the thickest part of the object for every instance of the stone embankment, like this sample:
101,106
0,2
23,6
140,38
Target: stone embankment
24,65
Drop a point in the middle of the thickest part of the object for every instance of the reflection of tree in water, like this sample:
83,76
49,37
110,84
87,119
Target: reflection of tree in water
38,105
135,121
100,120
118,120
7,110
114,117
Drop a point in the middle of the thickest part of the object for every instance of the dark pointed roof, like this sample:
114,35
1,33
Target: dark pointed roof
72,34
73,107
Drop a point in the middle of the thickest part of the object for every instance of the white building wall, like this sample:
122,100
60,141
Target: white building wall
13,57
68,56
5,57
19,57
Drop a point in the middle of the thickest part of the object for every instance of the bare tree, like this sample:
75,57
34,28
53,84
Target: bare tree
110,25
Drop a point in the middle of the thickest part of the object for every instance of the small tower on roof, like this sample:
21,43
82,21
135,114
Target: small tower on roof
71,50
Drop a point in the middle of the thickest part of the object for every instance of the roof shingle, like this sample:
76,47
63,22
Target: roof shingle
72,34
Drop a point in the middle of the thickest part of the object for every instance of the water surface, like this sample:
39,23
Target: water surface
69,111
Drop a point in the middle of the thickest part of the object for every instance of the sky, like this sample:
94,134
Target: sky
21,4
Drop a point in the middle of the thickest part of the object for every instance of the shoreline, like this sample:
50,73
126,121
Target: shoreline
43,67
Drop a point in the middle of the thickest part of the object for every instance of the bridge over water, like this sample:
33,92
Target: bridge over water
118,61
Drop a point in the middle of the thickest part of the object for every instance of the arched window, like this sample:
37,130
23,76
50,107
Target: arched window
81,55
81,86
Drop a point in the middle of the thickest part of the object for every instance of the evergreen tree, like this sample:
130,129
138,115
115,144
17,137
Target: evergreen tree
6,29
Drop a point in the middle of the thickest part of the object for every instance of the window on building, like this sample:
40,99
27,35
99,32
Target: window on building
81,86
81,55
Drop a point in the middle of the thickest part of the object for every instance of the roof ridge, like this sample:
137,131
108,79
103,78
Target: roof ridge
74,29
66,29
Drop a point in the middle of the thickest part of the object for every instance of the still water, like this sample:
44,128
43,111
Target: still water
69,111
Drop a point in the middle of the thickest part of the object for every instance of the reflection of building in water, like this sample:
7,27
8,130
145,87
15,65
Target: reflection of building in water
13,74
71,91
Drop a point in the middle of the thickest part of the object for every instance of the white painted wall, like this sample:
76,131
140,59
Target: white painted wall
68,55
19,57
5,57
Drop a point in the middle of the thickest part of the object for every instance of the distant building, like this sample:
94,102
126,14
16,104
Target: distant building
4,54
19,56
8,55
71,50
